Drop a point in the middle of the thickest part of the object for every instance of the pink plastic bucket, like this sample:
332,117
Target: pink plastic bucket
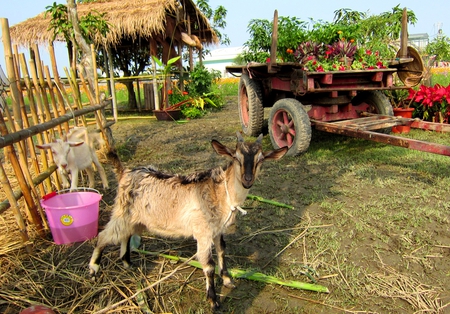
72,216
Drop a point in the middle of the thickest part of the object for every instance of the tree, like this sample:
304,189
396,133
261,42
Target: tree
77,33
376,32
440,47
291,31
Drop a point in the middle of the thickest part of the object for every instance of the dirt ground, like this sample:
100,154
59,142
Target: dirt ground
370,258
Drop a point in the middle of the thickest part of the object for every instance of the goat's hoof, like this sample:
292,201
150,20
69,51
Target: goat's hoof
227,282
215,305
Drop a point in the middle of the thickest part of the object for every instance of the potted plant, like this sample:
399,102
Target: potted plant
343,51
401,107
431,103
308,51
166,111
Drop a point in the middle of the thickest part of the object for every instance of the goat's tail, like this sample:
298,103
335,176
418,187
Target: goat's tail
113,157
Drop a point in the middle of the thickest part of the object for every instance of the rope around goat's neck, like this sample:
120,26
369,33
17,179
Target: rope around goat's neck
232,208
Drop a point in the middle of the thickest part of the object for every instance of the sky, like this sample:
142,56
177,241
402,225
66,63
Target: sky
432,15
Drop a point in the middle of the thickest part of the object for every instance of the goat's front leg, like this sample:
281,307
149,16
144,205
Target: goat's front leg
74,179
63,176
219,243
204,256
91,176
100,170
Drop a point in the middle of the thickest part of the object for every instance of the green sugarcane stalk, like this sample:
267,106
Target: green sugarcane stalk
260,199
245,274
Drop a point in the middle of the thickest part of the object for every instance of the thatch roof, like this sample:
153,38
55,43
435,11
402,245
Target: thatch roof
131,19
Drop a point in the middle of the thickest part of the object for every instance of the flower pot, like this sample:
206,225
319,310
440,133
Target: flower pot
404,113
168,115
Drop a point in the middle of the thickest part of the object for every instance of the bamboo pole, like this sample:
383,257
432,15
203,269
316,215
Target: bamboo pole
113,84
75,90
35,118
52,97
36,181
10,72
40,83
9,139
94,68
15,208
21,145
32,212
61,94
43,112
42,115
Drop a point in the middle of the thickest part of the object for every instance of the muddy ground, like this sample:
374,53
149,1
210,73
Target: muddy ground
345,232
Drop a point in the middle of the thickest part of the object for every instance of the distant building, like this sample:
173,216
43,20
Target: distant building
218,59
418,41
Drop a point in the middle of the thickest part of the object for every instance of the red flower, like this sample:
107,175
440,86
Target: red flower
185,93
169,92
268,60
368,52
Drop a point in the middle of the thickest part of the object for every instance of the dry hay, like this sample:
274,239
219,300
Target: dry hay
57,276
392,284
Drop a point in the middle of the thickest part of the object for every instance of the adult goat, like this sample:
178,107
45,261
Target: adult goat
201,205
76,152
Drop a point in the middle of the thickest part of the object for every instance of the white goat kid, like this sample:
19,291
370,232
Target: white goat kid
76,153
201,205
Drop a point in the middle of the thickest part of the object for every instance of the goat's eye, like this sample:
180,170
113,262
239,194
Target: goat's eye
54,152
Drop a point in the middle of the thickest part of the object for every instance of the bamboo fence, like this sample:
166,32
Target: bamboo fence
41,108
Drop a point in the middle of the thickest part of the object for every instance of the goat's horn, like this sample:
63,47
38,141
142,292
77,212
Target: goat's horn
239,137
259,139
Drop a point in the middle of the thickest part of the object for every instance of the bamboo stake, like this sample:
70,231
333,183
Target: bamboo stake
52,97
41,108
10,71
35,118
22,151
36,181
40,84
75,91
34,216
94,67
252,275
113,84
260,199
15,208
62,95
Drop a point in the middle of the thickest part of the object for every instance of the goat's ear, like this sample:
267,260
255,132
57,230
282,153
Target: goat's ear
44,146
73,144
221,149
276,154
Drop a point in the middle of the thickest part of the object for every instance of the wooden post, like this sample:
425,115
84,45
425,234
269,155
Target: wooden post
191,57
404,35
273,48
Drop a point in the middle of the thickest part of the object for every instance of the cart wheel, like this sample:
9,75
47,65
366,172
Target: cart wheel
250,104
377,102
289,125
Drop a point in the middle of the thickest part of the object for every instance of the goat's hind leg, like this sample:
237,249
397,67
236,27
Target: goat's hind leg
219,243
108,236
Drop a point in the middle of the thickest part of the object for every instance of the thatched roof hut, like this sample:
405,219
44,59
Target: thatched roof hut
129,19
